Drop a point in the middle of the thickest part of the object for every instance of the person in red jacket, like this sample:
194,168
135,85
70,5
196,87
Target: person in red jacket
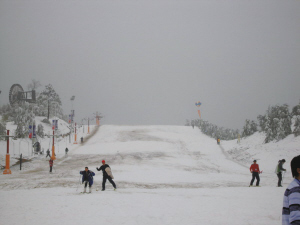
254,169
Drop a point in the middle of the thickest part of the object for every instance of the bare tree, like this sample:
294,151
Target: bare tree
35,84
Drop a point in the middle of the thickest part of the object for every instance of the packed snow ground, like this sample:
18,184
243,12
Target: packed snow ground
164,174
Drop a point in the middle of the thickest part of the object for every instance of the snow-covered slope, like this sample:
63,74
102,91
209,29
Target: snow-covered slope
164,174
267,155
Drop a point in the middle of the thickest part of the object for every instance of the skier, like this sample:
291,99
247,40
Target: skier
279,170
48,153
218,141
66,150
87,177
254,169
51,164
291,198
106,175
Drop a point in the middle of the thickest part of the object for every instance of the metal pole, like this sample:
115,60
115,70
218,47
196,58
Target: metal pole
48,109
7,145
21,162
53,149
7,169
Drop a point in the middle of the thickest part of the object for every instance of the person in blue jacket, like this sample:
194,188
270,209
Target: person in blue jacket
291,198
87,178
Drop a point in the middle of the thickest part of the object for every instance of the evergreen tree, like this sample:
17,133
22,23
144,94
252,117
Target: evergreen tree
40,130
249,128
296,116
49,100
262,120
277,123
23,117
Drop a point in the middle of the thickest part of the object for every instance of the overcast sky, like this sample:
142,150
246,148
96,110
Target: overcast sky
148,62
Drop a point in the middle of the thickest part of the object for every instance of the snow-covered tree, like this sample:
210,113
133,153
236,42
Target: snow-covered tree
23,117
48,99
2,130
34,85
249,128
40,130
277,123
296,116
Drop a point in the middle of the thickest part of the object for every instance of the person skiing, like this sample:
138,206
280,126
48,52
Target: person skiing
291,198
254,169
51,164
66,151
279,170
87,178
106,175
48,153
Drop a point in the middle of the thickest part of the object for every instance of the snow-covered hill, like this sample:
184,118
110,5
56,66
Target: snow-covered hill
267,155
164,174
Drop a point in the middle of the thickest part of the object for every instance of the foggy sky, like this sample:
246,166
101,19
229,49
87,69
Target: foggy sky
148,62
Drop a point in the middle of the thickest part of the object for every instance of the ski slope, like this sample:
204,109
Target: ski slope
164,174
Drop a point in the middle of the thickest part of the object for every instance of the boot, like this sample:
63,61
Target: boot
84,190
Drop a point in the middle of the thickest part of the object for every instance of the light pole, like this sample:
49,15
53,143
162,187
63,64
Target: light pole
72,114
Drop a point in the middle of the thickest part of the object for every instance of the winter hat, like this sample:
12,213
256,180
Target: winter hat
283,160
254,160
103,161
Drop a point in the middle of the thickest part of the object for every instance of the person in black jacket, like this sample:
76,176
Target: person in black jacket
106,176
87,178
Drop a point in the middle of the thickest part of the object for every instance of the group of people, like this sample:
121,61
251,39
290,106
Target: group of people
87,177
291,199
254,169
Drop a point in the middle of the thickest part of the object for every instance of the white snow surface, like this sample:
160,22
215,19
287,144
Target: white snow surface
164,174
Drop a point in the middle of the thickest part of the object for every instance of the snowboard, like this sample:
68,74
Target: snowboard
108,171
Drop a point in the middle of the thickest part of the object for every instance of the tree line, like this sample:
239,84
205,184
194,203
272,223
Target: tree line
277,123
213,130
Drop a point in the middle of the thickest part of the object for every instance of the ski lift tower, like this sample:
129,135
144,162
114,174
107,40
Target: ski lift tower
98,117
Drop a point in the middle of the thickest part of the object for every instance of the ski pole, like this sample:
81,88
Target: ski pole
283,176
79,183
